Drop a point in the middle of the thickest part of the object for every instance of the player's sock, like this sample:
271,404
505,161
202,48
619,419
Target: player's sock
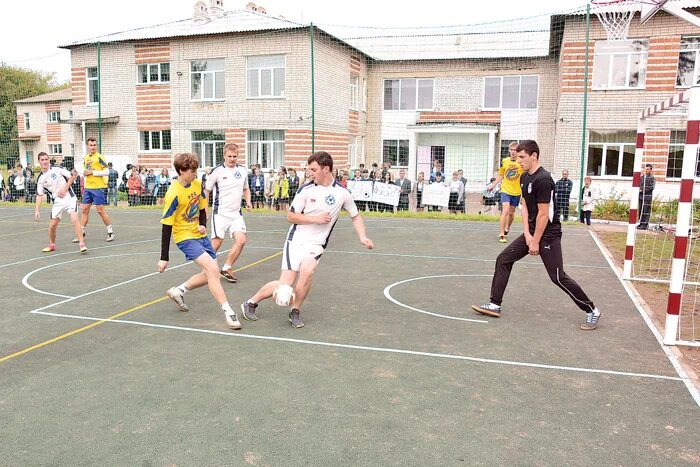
109,229
183,288
226,266
596,311
226,307
494,305
251,301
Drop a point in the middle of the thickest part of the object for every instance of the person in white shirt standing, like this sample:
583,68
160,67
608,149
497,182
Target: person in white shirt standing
313,214
227,184
57,182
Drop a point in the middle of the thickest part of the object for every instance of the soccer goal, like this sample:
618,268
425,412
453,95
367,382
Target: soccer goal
663,231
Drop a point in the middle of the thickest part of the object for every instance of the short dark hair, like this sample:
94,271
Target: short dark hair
322,158
185,161
91,139
42,153
649,166
109,164
529,146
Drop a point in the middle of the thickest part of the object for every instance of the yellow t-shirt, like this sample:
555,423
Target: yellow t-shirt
181,208
95,162
511,171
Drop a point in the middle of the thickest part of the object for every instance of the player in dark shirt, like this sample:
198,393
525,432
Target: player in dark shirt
542,237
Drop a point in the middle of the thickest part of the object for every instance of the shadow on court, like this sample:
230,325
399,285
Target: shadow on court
392,367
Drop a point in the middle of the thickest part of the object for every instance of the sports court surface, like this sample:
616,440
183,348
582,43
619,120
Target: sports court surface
392,367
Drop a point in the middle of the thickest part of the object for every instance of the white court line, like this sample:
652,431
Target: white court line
27,214
372,349
694,392
392,299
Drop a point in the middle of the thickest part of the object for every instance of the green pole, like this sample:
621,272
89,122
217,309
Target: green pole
585,112
99,98
313,92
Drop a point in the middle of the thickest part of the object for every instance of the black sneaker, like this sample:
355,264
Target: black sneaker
295,318
248,310
488,309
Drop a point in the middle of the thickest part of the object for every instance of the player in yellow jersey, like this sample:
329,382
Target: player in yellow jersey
185,218
95,173
509,172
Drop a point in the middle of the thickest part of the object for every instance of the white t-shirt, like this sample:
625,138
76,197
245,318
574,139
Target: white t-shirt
52,181
226,185
313,200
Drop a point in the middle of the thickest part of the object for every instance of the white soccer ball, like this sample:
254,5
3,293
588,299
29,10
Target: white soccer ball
283,295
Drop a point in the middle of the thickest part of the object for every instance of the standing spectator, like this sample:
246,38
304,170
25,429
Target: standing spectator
150,189
588,201
562,192
257,188
3,188
456,193
463,207
30,186
418,190
143,174
162,185
646,196
112,179
270,188
20,183
293,183
489,198
281,190
11,185
437,169
405,185
134,187
438,180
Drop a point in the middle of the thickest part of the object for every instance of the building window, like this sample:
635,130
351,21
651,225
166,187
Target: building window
53,116
72,149
265,76
676,150
70,114
207,80
93,87
55,149
688,68
510,92
395,152
154,73
505,146
611,153
354,93
363,94
27,126
209,146
266,147
352,151
408,94
155,140
620,64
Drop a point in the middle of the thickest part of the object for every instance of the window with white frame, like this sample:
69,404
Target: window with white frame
620,64
408,94
395,152
611,153
93,86
53,116
208,145
360,149
72,149
266,147
265,76
55,149
354,93
688,65
154,73
352,151
70,114
207,80
363,94
676,150
27,126
155,140
511,92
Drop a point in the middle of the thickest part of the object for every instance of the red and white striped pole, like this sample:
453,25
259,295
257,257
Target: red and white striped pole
683,221
634,198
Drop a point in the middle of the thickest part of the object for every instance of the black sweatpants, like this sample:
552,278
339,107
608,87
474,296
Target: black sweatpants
550,252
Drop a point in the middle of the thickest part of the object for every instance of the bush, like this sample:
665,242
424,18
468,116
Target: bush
612,207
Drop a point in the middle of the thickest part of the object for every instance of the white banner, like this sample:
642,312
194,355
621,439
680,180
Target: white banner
436,194
387,193
361,190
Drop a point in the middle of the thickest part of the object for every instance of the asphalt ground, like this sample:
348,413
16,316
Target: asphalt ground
392,367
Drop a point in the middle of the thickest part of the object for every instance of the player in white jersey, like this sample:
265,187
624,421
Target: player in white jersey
313,215
227,184
57,182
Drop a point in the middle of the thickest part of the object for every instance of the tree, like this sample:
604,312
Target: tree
18,83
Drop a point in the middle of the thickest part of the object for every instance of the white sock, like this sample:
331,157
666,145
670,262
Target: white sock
226,266
250,300
83,227
109,229
596,311
226,307
183,288
497,306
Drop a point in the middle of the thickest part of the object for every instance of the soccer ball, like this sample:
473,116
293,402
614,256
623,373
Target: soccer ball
283,295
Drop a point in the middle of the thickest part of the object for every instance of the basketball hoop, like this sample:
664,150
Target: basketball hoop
615,16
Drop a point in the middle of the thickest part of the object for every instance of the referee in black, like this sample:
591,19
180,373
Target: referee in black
542,237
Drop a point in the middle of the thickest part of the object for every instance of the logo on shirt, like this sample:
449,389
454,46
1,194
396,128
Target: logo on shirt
512,173
238,175
330,200
191,211
529,187
53,176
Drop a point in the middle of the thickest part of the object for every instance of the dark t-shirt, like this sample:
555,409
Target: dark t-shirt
539,188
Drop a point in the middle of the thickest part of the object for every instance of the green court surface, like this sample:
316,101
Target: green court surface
392,367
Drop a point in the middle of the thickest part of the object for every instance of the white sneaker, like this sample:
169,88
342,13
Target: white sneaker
179,298
232,320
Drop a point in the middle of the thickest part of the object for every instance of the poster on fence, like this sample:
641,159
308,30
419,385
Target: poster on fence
361,190
436,194
386,193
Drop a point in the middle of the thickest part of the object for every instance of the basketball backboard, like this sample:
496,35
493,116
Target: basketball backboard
650,8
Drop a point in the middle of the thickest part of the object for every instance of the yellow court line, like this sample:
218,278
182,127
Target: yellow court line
24,232
118,315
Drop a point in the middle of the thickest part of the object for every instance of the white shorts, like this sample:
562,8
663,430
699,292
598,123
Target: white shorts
67,203
220,224
294,253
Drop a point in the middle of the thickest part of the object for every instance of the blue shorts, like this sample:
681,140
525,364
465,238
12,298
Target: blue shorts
194,248
94,196
513,200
